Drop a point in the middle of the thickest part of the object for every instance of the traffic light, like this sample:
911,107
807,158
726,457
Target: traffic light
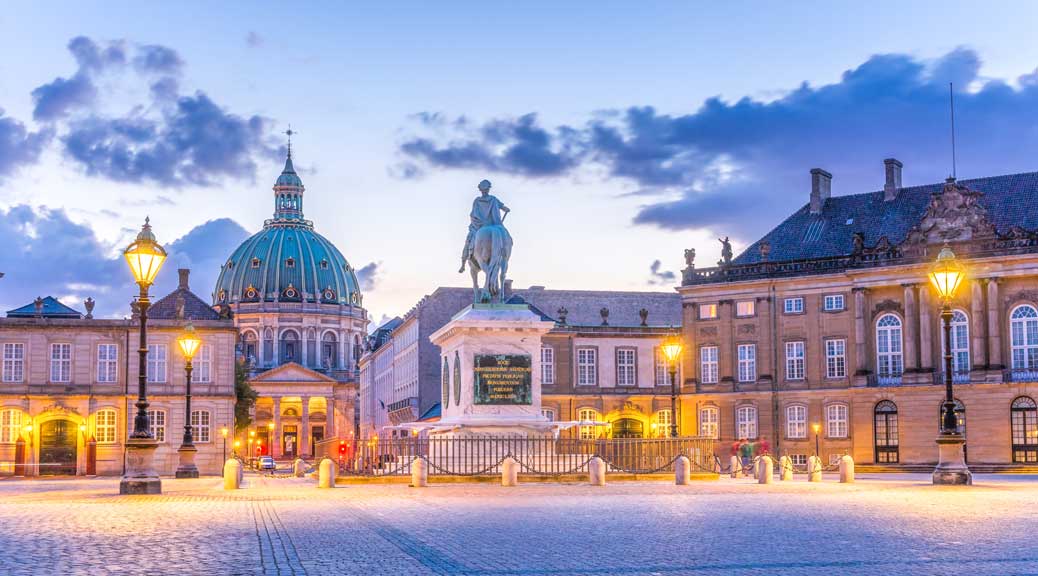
342,447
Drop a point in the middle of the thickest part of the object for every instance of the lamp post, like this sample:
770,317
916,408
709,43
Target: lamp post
145,257
816,428
270,438
189,343
946,275
223,432
672,350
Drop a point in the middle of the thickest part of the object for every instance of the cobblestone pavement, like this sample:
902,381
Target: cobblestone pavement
881,525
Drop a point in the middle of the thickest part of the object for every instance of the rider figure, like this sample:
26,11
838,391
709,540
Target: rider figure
486,210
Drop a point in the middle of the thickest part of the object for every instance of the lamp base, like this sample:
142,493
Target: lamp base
951,468
187,468
140,476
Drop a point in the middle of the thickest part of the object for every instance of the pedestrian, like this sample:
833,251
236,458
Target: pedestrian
764,447
746,451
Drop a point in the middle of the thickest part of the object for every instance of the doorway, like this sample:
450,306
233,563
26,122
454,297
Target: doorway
628,428
316,435
58,448
290,440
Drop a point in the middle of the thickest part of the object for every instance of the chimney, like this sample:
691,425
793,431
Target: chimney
184,273
893,185
821,188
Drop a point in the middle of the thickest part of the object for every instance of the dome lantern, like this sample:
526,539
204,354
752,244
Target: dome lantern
288,190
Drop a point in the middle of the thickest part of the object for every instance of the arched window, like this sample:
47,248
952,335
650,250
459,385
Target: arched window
588,415
104,426
889,356
708,422
249,346
329,351
1023,330
289,346
10,425
960,417
446,383
796,421
886,432
1024,424
960,345
663,423
746,422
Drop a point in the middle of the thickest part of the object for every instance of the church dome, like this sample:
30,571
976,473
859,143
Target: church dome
287,261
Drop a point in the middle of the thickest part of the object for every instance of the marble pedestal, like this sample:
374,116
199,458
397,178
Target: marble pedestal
951,468
187,468
140,476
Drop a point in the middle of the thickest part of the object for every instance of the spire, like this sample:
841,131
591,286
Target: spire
288,189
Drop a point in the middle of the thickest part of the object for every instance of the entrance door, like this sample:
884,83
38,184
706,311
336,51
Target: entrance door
627,428
886,433
290,439
316,435
58,448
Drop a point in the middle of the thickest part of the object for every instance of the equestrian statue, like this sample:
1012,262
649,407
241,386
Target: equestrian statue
487,247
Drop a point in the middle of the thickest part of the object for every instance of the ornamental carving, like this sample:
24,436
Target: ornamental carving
747,329
708,331
888,306
1023,296
956,214
58,408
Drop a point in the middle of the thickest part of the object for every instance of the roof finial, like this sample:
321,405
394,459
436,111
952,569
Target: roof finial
289,133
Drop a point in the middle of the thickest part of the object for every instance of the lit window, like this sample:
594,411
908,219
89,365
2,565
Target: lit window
157,363
747,362
547,365
708,362
588,432
625,367
587,366
836,421
203,364
708,422
707,311
746,422
889,359
10,426
1023,326
200,425
107,362
794,360
663,423
60,362
1024,424
793,305
661,375
14,362
157,419
745,308
104,426
796,421
834,302
835,358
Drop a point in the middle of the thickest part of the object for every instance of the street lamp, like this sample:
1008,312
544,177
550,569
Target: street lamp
672,350
816,428
270,438
223,432
946,275
189,343
237,446
145,257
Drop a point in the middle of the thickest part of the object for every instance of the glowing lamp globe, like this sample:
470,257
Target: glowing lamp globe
672,348
189,342
145,256
947,273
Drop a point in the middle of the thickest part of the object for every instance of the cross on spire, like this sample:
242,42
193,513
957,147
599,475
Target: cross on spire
289,133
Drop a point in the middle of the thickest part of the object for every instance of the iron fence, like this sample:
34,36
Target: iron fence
483,455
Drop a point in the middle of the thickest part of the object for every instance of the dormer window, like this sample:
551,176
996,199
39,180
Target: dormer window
250,293
291,292
230,264
255,262
290,263
329,294
324,264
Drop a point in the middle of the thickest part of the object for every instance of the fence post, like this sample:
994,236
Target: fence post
736,466
597,471
232,474
765,470
814,469
682,471
846,469
326,474
509,472
299,468
785,468
419,473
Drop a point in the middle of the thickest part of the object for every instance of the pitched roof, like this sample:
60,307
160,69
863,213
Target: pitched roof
194,307
52,308
1010,200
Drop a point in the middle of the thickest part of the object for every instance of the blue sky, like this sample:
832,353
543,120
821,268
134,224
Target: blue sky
619,133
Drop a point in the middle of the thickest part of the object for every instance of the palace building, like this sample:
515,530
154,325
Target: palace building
829,321
299,311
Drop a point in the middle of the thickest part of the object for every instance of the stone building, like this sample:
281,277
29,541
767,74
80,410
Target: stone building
298,308
69,383
600,362
830,320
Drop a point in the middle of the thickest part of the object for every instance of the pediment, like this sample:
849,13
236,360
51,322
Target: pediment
955,214
292,372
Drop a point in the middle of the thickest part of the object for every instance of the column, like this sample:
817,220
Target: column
726,352
329,418
859,332
978,352
911,330
304,434
994,327
275,438
925,329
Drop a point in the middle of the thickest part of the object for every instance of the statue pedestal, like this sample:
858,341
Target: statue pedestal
491,382
951,468
187,468
140,476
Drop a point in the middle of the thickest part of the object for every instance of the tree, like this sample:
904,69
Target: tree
245,397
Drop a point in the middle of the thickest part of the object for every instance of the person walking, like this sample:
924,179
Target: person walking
746,452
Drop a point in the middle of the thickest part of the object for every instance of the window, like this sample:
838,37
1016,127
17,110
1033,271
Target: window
588,415
747,362
1023,329
255,262
200,425
14,362
708,422
1024,424
836,358
707,311
794,360
708,360
796,421
661,373
833,302
960,344
889,360
885,426
290,263
793,305
548,414
104,426
156,363
107,362
663,423
836,421
60,362
547,365
746,422
625,367
745,308
798,460
157,419
203,364
587,366
10,426
324,264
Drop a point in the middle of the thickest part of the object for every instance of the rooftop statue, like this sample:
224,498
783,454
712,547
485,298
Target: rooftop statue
488,246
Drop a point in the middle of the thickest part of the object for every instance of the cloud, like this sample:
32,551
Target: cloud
368,276
18,146
156,59
253,39
738,167
658,278
204,249
61,96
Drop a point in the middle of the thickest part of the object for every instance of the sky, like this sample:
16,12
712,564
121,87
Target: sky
619,134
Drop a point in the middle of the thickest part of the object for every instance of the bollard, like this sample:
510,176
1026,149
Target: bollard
765,470
814,469
846,469
682,471
326,474
419,473
785,468
241,474
509,472
597,471
736,466
299,468
232,475
756,467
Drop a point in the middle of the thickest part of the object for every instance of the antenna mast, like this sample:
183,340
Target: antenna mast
951,103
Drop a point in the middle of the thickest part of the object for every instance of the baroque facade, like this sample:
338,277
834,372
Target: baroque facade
829,321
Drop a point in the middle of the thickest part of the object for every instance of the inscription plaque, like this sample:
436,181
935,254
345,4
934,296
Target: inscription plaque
502,379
